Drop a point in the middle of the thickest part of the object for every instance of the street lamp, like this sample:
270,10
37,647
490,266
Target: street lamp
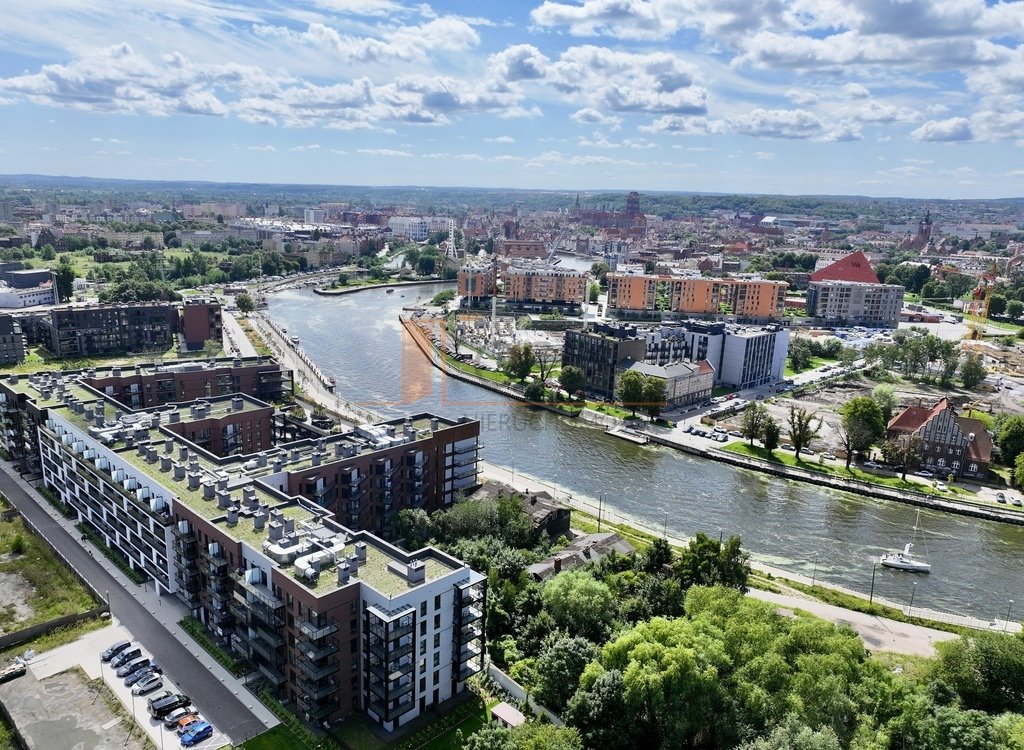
871,596
1006,622
664,531
910,612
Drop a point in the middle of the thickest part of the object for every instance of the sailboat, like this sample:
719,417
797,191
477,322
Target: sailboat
904,559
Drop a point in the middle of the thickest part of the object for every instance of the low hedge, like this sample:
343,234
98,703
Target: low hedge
197,631
112,554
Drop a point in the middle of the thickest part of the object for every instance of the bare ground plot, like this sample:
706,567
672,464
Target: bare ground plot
35,586
66,711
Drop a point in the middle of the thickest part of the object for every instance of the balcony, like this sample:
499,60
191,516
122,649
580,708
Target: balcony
469,669
314,631
275,676
315,671
315,652
316,711
267,651
470,614
317,691
260,592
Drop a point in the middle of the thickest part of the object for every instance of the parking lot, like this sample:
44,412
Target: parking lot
70,717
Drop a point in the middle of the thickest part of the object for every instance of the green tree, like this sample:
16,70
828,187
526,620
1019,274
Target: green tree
535,735
657,556
491,737
534,392
1014,309
414,526
795,735
600,272
802,428
246,304
212,347
600,714
770,434
885,397
863,425
972,370
904,451
705,561
579,603
800,353
593,292
631,389
571,379
343,278
997,305
559,668
1010,439
985,669
654,396
520,361
754,418
65,273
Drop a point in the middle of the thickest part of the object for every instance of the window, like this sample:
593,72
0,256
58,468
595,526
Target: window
423,609
437,603
437,640
437,622
423,627
437,677
972,467
942,462
423,647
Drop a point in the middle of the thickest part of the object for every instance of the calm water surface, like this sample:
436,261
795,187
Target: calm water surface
799,527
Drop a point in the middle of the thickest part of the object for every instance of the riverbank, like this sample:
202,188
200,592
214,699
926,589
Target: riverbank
389,285
666,438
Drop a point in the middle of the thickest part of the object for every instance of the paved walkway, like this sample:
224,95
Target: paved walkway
235,340
874,632
152,619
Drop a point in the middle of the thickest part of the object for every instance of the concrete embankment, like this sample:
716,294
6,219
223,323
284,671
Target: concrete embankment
392,285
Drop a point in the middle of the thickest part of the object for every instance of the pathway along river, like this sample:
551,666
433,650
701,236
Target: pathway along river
800,527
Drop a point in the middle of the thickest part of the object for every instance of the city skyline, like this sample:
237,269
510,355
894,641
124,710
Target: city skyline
915,99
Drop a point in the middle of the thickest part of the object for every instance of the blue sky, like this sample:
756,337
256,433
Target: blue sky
919,98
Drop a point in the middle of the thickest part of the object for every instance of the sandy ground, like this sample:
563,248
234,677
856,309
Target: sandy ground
15,593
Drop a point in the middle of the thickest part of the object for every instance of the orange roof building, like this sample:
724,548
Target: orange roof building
854,267
950,444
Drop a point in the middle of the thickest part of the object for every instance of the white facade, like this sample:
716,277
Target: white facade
419,228
855,303
753,357
37,295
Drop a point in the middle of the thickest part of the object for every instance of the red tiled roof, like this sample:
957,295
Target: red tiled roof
979,449
704,367
913,418
854,267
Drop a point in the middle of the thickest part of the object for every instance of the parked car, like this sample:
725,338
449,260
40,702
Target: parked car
716,428
126,656
1000,497
788,447
941,487
185,723
197,734
133,666
1014,500
152,681
829,455
160,707
114,650
172,719
924,473
138,675
735,433
872,465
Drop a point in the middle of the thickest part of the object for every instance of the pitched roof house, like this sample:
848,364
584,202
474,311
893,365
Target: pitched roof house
952,445
854,267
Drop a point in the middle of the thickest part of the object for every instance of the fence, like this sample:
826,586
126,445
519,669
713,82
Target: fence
27,634
518,692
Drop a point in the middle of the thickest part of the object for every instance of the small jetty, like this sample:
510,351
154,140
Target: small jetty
628,434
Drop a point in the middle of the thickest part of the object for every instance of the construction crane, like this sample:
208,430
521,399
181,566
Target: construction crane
977,310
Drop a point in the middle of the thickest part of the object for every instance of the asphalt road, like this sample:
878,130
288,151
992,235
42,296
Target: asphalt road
216,701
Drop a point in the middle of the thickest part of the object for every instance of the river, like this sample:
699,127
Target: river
799,527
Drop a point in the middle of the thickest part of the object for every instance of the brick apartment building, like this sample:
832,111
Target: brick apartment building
201,321
744,298
545,285
111,329
334,618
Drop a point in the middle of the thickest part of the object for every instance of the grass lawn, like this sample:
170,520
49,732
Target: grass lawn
816,362
55,591
274,739
838,469
613,411
356,733
471,724
721,390
39,358
53,639
496,377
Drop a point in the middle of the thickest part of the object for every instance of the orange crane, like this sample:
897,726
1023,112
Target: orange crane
981,298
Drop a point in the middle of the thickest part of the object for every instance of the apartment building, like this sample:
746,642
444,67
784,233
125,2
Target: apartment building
686,383
742,297
545,285
739,356
334,618
111,329
201,321
509,248
12,341
855,303
138,387
476,283
419,228
27,287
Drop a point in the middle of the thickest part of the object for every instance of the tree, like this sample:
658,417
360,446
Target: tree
491,737
658,555
770,433
802,428
631,389
414,526
1014,309
754,418
245,303
985,669
654,395
534,392
520,361
559,668
795,735
705,561
600,713
571,379
212,347
579,603
800,353
972,370
863,425
997,304
904,451
600,272
546,358
65,280
1010,439
885,397
593,292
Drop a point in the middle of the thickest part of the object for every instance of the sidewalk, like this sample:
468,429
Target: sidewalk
167,609
526,483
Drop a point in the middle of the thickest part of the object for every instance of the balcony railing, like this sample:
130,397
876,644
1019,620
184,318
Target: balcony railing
315,710
315,652
316,671
314,631
318,690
